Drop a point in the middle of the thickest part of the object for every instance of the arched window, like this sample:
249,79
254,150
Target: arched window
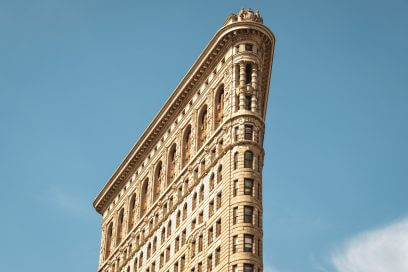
219,106
203,126
187,145
219,174
149,251
186,187
194,204
120,226
169,229
185,211
211,182
163,235
141,260
172,164
132,211
158,176
144,197
135,265
201,197
108,241
178,219
248,159
155,244
236,161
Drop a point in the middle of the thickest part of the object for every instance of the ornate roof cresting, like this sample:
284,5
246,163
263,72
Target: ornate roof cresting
244,15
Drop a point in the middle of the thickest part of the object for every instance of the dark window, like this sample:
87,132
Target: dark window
248,73
248,214
248,47
248,267
236,129
248,102
248,159
236,161
249,131
248,186
248,243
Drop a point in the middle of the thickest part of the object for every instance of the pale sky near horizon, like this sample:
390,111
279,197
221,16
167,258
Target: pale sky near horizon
81,80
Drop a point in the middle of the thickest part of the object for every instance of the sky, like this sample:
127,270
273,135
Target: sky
81,80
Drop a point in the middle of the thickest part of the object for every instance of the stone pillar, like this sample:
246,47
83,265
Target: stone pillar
241,74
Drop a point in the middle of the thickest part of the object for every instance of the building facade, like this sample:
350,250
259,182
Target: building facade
188,196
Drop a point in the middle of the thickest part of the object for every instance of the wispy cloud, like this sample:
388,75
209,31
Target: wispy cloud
270,268
380,250
66,202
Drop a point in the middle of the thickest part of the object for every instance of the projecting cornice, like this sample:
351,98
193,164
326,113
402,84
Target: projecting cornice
233,28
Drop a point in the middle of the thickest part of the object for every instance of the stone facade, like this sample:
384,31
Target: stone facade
188,196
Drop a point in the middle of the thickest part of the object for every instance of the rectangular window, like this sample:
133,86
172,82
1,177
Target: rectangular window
200,267
177,244
183,237
161,260
200,217
248,47
235,189
248,214
200,243
248,132
211,209
182,263
248,186
167,254
235,216
248,268
218,228
248,102
248,243
236,136
210,235
234,244
193,224
209,263
193,248
176,267
235,268
217,256
219,198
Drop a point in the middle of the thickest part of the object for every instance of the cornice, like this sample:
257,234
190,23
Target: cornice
185,89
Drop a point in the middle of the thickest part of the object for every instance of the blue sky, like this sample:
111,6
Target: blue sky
80,81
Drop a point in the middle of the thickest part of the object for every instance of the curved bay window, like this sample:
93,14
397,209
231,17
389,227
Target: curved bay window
132,210
172,164
144,197
219,106
248,159
158,177
120,226
108,240
202,126
187,145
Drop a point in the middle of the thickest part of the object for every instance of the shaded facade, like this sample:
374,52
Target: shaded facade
188,196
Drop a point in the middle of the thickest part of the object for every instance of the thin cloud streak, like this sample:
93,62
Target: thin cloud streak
381,250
